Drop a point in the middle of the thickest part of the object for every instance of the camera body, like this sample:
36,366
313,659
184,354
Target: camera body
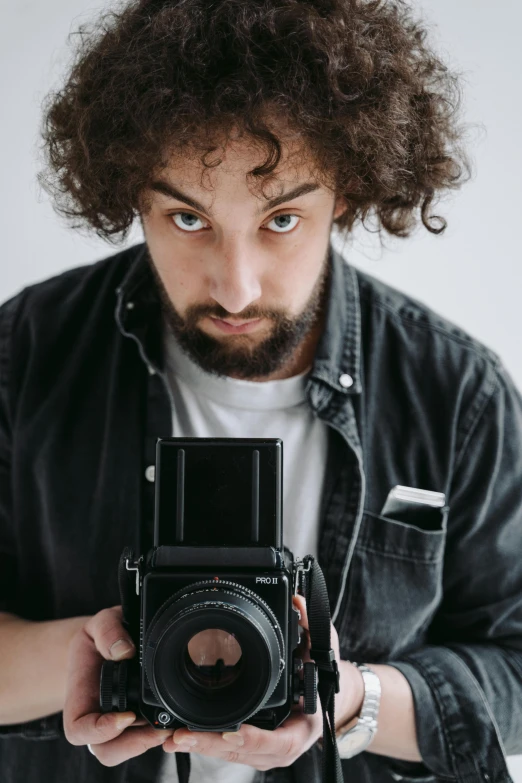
210,606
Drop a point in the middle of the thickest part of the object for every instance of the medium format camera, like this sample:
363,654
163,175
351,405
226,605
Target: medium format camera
210,605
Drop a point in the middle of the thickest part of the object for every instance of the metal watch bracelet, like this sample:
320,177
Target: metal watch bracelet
356,738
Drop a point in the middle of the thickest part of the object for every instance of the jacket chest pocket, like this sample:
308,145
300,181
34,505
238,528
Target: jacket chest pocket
393,589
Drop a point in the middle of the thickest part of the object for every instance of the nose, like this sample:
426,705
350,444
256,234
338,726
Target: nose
234,281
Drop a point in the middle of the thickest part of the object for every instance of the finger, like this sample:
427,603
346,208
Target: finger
292,737
83,723
335,642
261,763
300,604
133,742
111,639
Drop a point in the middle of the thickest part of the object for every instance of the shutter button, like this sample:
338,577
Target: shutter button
150,473
346,381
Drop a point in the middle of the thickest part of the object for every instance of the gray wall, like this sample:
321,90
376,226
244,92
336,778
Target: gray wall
472,274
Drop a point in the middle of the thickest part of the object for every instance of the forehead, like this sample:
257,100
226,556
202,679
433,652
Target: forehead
230,166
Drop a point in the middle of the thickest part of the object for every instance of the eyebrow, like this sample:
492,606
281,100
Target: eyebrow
167,189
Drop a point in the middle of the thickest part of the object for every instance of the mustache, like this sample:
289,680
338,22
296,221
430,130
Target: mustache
195,312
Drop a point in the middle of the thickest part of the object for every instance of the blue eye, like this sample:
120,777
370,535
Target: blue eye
188,221
285,220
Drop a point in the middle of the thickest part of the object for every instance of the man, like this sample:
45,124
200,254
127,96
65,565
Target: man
236,317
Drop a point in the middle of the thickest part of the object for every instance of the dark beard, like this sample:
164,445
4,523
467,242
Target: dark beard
243,361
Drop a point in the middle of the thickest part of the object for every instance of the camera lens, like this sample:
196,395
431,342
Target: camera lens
214,655
213,658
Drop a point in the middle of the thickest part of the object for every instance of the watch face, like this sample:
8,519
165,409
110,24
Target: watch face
354,741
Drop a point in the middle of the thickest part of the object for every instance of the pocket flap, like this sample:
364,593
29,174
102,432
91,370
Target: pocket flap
418,514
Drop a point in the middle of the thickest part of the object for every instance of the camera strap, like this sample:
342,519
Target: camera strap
319,622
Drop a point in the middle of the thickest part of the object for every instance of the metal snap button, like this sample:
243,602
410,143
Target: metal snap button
150,473
346,381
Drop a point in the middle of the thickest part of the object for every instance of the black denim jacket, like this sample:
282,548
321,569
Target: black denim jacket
82,401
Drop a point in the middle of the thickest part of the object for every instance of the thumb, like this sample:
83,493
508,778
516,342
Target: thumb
300,604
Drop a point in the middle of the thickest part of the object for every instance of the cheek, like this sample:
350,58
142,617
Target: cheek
180,274
175,268
296,278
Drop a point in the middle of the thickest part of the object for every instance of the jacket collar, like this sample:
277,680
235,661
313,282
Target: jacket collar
137,286
337,358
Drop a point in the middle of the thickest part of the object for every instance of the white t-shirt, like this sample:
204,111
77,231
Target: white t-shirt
209,406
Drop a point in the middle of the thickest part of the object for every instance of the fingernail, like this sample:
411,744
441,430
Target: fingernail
185,741
122,723
234,738
120,648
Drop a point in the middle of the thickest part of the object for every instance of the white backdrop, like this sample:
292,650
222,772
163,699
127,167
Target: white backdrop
470,274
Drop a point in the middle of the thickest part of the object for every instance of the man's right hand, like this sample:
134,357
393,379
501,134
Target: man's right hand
115,736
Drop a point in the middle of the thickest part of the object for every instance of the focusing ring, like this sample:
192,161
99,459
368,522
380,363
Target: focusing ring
310,688
113,686
121,686
106,681
204,586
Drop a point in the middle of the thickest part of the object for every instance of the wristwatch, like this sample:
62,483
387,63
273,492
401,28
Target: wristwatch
358,737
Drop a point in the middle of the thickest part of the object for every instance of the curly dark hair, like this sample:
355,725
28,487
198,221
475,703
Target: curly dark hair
376,108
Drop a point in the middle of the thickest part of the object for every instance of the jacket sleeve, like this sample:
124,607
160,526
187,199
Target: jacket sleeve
10,548
467,682
7,538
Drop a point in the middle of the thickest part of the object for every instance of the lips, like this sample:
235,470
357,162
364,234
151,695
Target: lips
237,323
235,327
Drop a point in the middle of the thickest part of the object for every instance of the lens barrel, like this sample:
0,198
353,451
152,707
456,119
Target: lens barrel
225,692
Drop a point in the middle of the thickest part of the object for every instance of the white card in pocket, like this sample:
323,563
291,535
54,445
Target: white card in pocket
420,507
